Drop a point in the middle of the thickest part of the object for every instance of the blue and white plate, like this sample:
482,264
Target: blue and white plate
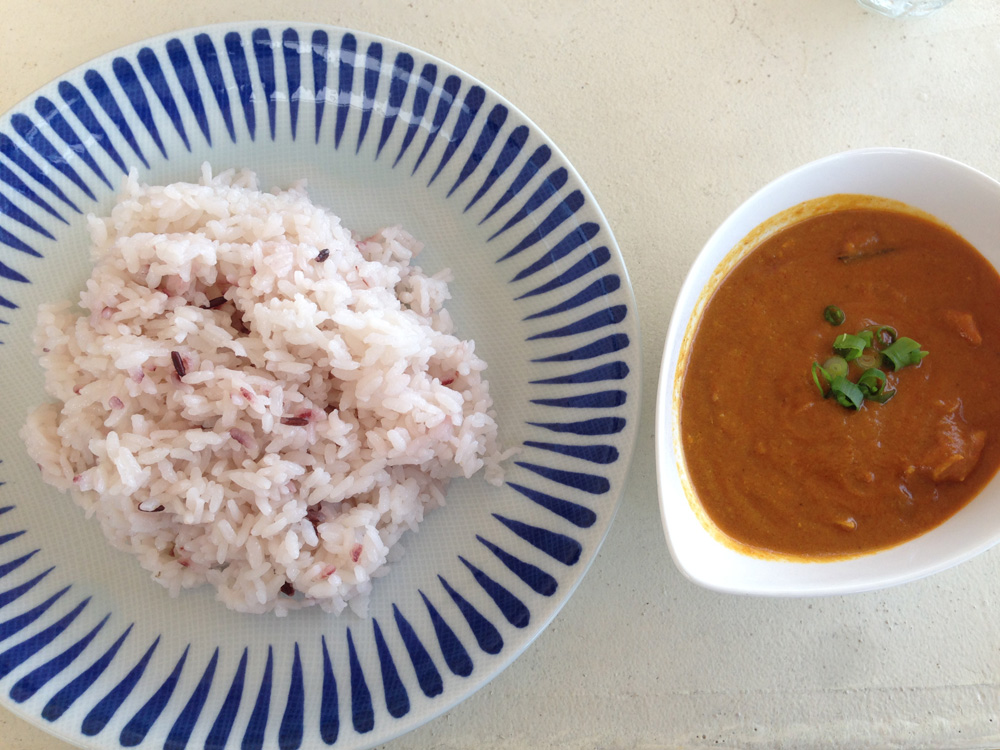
95,652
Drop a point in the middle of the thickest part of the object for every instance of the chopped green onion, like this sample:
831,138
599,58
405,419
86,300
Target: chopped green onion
863,348
902,352
872,382
833,315
869,358
835,366
885,335
846,392
882,397
817,370
850,346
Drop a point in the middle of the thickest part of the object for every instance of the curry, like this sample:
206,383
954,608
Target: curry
780,464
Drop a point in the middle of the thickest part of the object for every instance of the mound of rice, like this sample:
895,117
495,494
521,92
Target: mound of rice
252,398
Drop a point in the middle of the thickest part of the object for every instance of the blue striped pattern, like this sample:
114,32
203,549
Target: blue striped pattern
180,733
119,678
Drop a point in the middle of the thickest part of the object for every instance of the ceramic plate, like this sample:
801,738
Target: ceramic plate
96,653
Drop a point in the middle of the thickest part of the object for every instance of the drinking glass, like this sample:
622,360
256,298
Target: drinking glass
897,8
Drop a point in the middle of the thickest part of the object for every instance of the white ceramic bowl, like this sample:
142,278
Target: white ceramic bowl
961,197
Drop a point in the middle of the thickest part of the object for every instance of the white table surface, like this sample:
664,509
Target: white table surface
674,111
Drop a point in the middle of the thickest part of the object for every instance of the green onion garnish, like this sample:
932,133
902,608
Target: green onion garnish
872,382
869,358
846,392
868,349
902,352
885,335
817,371
836,366
833,315
850,346
882,397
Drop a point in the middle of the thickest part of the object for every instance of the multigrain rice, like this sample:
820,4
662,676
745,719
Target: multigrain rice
250,397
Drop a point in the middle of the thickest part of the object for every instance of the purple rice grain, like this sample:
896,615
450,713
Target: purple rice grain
315,516
323,255
294,421
178,361
239,323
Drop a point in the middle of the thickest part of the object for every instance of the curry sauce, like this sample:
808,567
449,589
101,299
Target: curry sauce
780,468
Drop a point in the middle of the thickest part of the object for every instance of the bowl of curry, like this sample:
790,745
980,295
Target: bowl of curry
828,412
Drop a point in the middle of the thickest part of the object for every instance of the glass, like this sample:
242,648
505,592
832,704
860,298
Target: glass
897,8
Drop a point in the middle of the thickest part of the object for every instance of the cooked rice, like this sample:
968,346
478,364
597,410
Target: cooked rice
250,397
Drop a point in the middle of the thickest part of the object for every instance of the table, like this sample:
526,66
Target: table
674,112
